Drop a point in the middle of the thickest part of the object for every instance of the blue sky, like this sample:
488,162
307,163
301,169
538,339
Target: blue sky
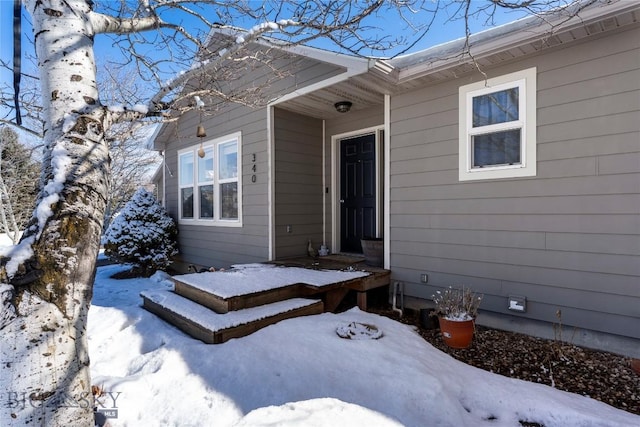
442,31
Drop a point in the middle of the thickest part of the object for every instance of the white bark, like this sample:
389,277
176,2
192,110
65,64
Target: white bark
45,360
44,348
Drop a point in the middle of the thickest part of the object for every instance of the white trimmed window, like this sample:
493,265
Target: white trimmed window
209,182
498,127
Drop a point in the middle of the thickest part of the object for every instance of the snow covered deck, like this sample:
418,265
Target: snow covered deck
214,328
248,279
251,285
217,306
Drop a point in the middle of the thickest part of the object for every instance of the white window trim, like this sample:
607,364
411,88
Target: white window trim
526,81
215,221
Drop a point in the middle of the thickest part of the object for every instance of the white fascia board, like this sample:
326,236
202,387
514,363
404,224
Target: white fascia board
334,58
318,85
158,172
151,141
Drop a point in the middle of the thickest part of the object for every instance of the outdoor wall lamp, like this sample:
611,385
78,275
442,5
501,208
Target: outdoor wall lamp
343,106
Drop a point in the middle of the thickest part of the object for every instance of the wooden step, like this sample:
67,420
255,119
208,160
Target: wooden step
215,328
252,287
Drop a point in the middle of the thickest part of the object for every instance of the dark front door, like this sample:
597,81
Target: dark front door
357,191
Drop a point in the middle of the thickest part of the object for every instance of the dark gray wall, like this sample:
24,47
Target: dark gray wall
297,183
567,239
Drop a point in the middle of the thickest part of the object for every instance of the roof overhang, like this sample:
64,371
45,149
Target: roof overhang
450,60
515,39
364,82
363,86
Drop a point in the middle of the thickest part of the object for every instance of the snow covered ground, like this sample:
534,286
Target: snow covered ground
300,373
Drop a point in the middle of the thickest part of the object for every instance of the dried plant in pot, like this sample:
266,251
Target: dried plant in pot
457,310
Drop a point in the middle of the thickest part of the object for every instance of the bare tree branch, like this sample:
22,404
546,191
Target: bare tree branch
242,39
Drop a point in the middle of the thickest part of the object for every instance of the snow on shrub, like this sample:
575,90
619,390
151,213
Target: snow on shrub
142,235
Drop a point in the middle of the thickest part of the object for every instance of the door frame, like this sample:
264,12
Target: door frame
378,131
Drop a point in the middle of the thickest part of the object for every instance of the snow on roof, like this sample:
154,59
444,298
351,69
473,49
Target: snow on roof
578,13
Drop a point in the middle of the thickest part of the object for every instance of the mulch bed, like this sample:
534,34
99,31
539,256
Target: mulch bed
600,375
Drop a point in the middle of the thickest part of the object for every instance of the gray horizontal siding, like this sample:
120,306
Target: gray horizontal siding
581,224
567,204
222,246
442,188
298,183
489,277
611,244
515,256
567,239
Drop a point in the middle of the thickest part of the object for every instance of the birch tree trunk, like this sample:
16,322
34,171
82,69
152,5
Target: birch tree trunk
44,347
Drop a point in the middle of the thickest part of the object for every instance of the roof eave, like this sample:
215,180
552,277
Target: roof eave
500,39
338,59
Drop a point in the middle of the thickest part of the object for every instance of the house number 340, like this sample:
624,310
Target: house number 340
254,168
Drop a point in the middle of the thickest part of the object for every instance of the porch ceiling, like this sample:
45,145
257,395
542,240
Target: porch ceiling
362,91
